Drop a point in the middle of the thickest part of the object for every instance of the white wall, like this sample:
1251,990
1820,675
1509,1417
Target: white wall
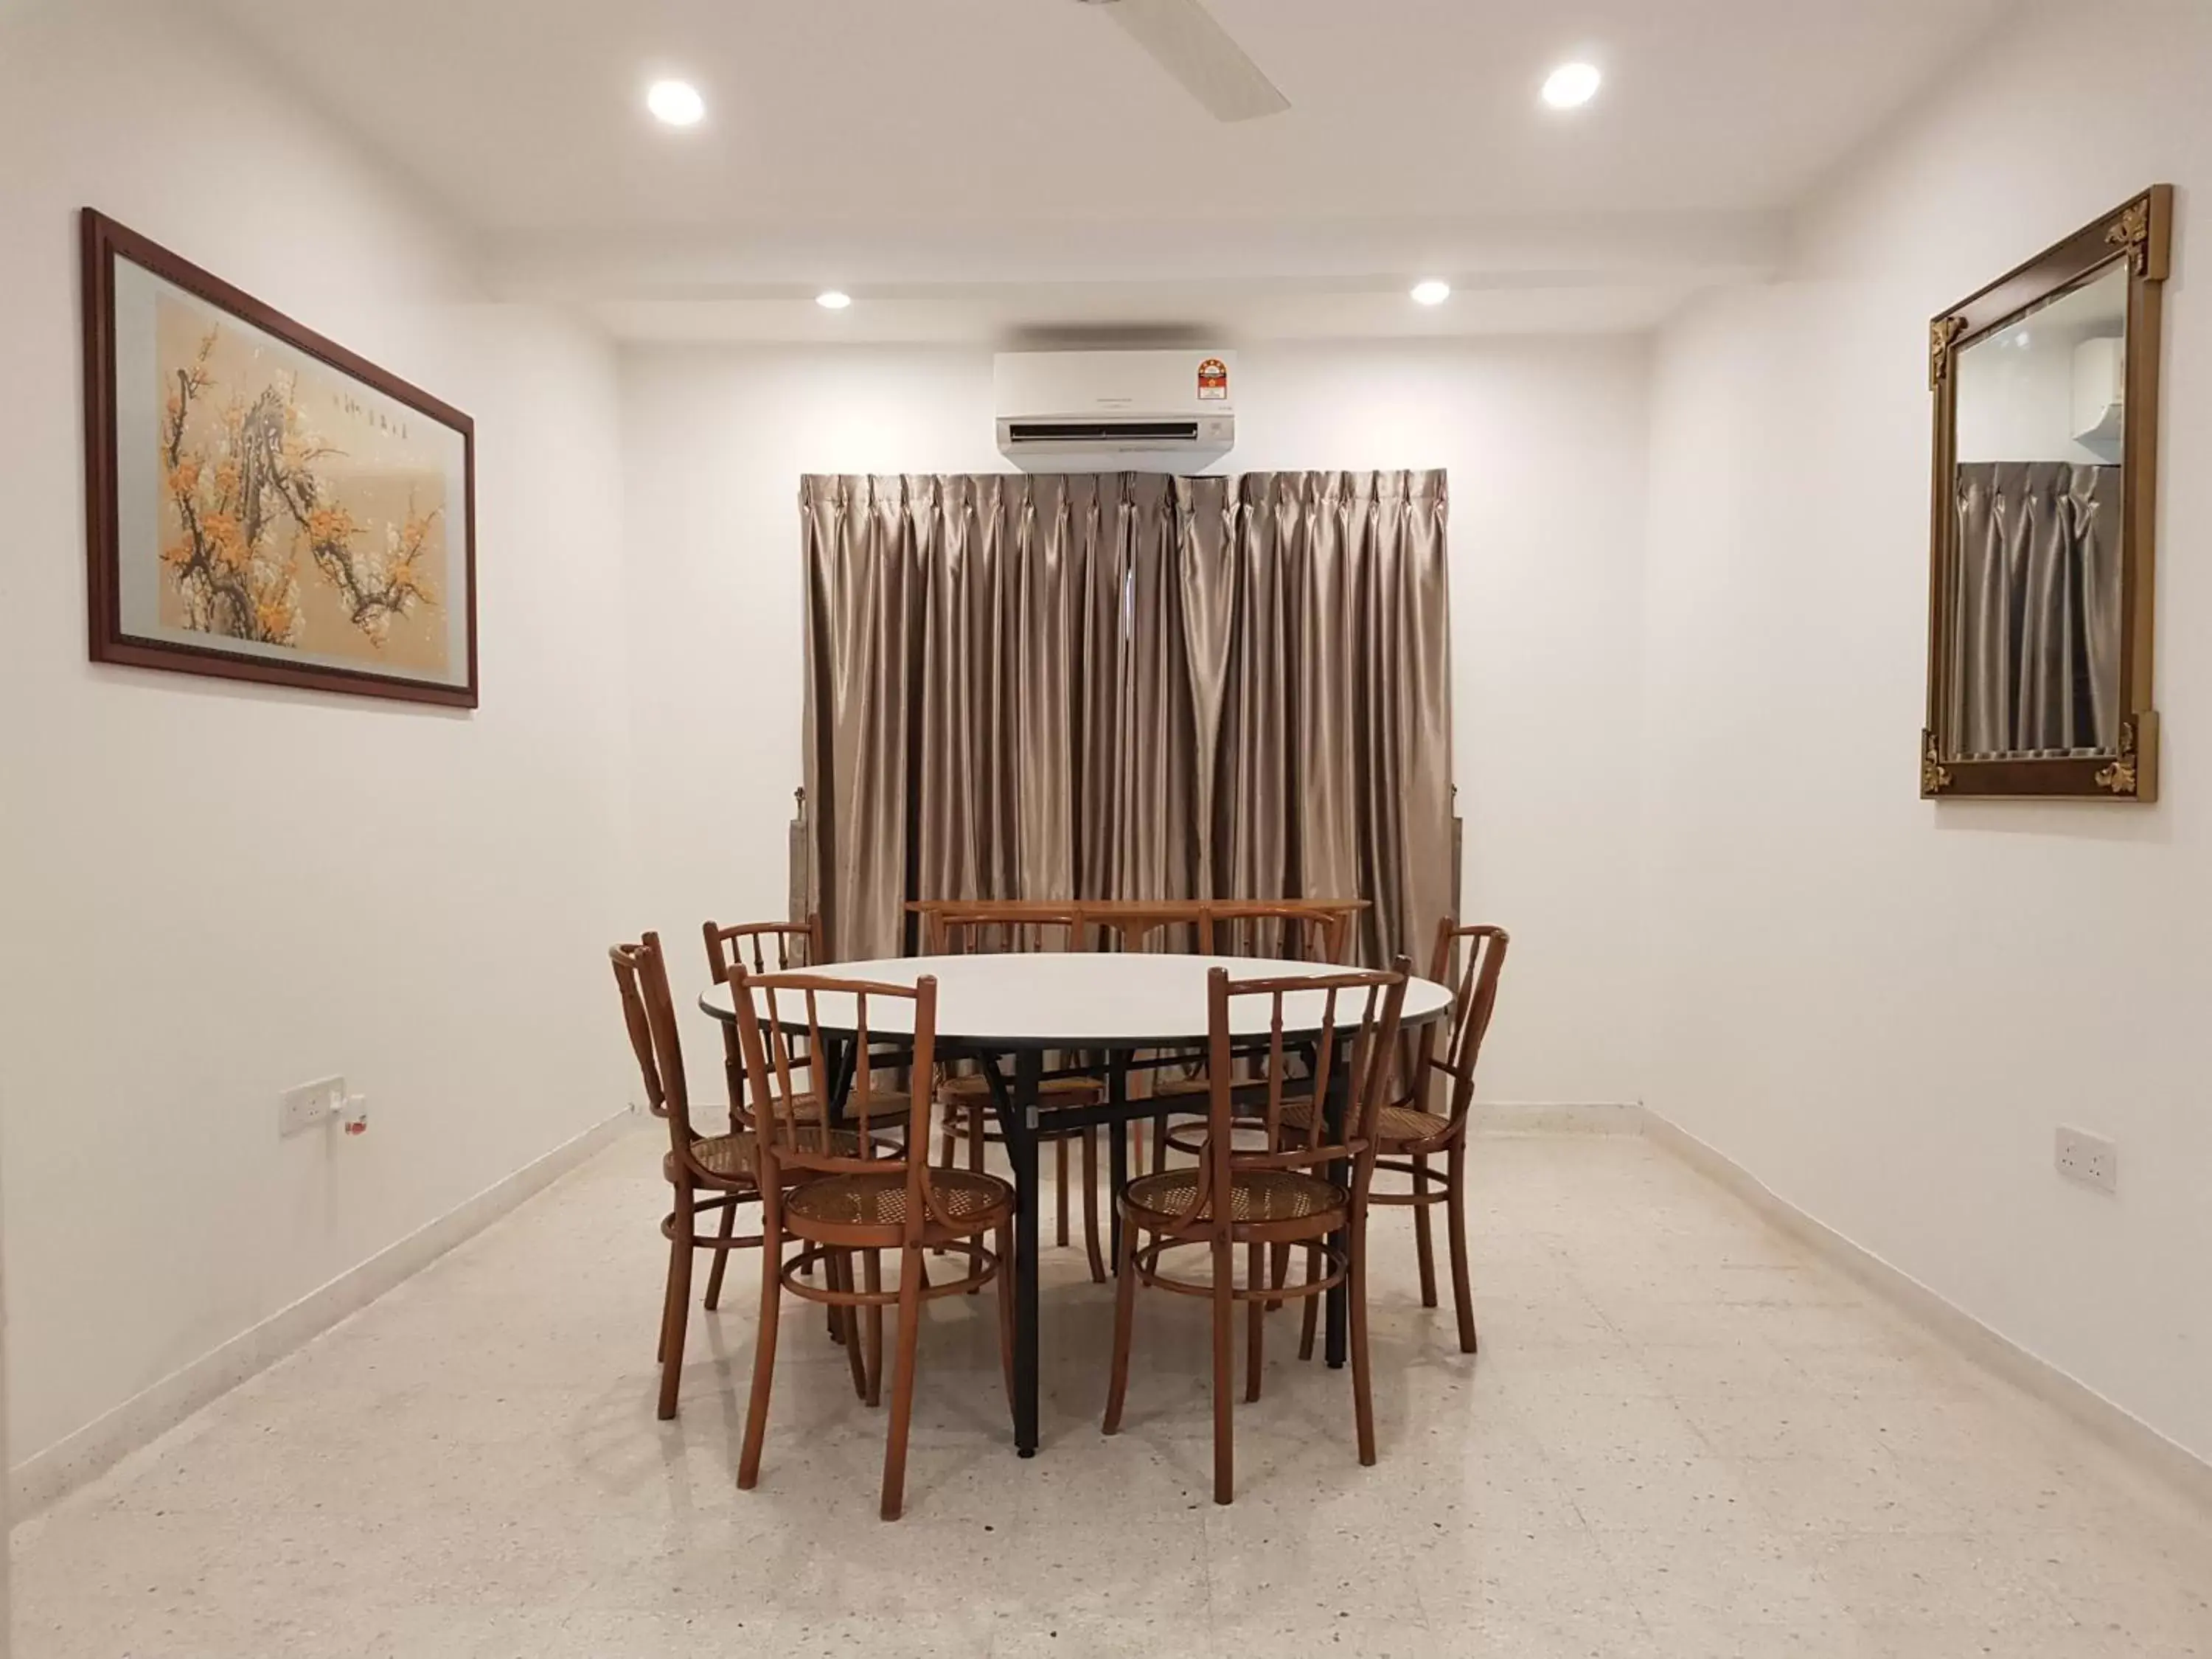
213,891
1546,445
1883,1007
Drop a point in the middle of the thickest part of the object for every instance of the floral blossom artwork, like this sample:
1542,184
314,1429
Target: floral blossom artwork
265,505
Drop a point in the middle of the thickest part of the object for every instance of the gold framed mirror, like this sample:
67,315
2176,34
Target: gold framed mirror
2041,565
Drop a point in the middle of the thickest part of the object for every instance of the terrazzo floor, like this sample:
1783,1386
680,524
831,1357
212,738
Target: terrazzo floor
1685,1436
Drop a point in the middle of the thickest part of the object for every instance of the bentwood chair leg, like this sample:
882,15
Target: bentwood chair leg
764,1354
679,1304
1422,1248
871,1267
909,1337
1255,1315
1455,1230
1362,1381
1160,1142
1125,1315
1002,1241
1091,1206
667,1294
848,1323
1059,1190
1309,1320
1279,1271
722,1252
1224,1370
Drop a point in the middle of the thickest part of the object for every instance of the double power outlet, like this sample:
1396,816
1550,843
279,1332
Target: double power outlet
2090,1159
324,1101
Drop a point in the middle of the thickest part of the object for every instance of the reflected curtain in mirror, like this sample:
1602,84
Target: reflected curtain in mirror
2036,642
1126,686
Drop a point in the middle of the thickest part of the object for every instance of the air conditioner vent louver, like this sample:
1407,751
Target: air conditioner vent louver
1101,432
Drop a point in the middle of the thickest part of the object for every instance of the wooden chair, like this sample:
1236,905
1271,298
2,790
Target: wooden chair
1165,926
997,927
1305,1192
1287,930
769,947
838,1200
1408,1134
764,947
708,1173
789,945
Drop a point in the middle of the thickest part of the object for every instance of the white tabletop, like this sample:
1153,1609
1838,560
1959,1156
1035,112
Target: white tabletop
1057,999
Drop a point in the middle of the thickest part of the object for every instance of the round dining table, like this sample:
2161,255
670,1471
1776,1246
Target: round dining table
1008,1012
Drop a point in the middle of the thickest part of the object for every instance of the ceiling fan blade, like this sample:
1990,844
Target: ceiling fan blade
1184,39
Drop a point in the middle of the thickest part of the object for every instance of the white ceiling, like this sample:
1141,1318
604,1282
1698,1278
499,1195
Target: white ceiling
973,169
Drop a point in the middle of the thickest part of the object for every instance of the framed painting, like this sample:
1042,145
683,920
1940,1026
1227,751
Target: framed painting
263,504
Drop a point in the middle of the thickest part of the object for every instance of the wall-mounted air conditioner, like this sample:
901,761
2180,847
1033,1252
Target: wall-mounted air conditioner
2101,392
1115,411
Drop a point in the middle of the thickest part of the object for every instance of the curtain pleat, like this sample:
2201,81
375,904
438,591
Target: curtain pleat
2035,650
1126,686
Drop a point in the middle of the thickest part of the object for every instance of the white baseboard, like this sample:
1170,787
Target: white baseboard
48,1476
2110,1422
1557,1117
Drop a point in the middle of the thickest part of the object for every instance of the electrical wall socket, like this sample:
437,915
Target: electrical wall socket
310,1106
2090,1159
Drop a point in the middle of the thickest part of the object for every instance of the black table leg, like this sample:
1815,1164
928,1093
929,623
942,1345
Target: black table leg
1018,1124
841,1065
1337,1301
1117,1170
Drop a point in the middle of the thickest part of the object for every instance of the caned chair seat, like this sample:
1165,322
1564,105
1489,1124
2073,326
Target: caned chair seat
1180,1088
736,1157
1254,1196
887,1110
733,1157
1189,1094
1395,1126
880,1200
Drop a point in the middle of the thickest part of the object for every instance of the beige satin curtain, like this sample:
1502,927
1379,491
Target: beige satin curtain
2036,645
1126,686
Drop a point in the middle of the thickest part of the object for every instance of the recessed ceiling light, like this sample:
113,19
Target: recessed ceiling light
1572,85
676,103
832,299
1433,292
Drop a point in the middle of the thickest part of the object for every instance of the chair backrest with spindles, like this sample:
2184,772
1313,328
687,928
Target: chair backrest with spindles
1305,930
1289,930
649,1011
1474,997
1003,928
777,1013
764,947
1352,1032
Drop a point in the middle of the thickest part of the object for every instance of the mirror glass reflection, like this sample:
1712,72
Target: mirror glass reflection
2041,449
